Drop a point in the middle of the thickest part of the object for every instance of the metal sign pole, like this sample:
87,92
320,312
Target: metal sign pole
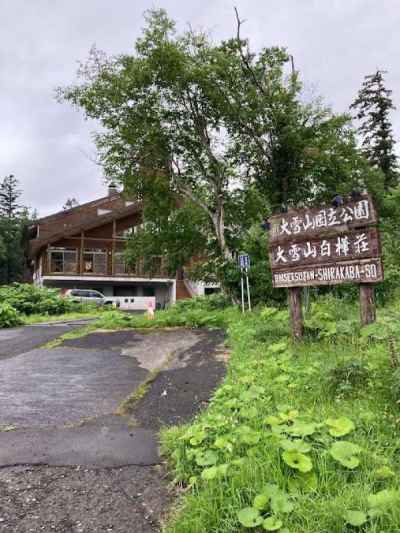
242,284
248,289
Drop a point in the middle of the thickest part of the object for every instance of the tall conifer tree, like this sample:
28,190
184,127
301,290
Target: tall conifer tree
13,223
9,195
373,106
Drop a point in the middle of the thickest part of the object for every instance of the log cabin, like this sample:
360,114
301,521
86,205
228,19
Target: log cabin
83,247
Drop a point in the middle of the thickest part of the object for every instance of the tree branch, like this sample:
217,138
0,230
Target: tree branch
245,61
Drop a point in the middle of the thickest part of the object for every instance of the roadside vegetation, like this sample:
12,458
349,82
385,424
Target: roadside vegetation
298,438
23,303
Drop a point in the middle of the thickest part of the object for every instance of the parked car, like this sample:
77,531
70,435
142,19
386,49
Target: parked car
84,296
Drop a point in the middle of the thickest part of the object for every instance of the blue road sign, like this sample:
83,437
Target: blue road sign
244,261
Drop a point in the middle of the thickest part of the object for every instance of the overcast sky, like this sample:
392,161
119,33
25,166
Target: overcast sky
48,146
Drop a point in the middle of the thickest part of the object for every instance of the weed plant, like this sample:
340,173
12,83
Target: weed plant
298,438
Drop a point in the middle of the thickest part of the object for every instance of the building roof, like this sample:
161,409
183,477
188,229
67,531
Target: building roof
84,217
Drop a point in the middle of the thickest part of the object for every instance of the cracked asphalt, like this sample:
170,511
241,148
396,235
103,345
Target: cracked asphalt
68,463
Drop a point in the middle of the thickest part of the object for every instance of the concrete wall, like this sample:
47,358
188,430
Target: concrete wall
164,292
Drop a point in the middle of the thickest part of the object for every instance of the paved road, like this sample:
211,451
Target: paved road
15,341
67,462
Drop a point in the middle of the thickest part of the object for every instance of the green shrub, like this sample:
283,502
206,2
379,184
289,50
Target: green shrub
212,302
28,299
274,450
9,317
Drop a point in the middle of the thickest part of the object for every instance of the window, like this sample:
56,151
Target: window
63,260
120,267
95,261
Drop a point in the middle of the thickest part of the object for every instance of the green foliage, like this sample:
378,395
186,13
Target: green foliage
175,116
14,221
346,453
373,106
271,427
355,518
210,311
9,317
347,376
28,299
9,196
12,244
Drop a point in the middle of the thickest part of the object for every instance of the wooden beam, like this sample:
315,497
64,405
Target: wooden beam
81,252
114,236
88,238
367,304
296,312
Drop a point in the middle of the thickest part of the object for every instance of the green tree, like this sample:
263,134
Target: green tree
373,106
164,129
212,138
296,151
14,220
9,196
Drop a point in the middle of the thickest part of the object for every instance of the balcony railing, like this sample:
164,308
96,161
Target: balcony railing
70,263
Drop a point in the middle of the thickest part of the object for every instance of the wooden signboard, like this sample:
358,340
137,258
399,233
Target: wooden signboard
327,246
300,223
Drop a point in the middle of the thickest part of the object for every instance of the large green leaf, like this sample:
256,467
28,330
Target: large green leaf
280,504
384,472
277,347
250,517
272,523
297,460
247,435
338,427
296,445
302,429
355,518
261,501
209,473
345,453
206,458
214,471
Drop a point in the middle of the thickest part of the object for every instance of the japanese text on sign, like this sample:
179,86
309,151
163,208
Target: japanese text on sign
356,244
326,245
298,223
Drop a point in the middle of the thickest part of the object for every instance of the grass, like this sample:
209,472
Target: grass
41,318
278,395
75,334
266,449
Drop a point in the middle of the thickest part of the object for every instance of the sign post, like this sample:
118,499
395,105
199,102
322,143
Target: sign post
244,264
328,245
296,313
367,304
248,289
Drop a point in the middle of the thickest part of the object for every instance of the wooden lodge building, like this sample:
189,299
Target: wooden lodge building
83,247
